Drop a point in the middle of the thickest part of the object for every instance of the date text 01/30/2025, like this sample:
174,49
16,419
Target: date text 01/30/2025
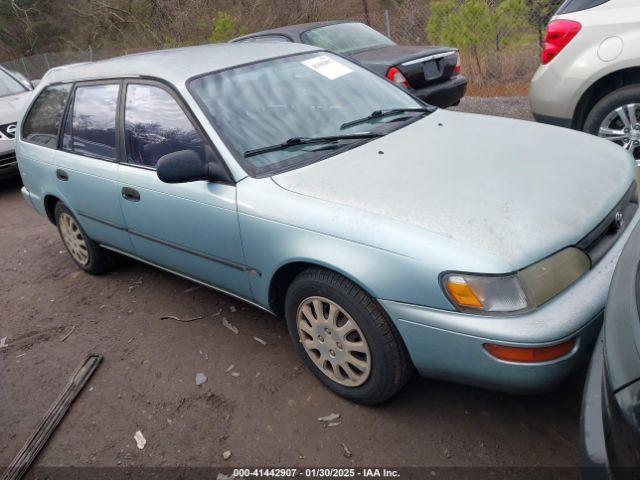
289,473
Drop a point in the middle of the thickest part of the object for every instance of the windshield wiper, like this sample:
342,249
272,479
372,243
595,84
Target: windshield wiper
385,113
292,142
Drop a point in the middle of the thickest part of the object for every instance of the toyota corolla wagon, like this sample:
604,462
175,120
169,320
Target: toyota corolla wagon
390,235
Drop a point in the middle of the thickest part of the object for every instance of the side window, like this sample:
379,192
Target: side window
42,122
155,126
90,128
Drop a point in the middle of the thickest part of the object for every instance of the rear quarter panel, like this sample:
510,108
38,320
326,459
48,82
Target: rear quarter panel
558,86
38,170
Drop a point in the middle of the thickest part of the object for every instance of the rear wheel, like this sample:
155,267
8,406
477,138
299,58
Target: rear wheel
345,338
86,253
616,118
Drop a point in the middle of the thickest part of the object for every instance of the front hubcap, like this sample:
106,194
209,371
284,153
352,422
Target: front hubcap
622,126
333,341
73,239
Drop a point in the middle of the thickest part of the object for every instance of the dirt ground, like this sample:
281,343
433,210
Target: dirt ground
53,315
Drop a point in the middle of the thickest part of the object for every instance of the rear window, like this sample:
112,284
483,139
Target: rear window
42,123
570,6
265,39
346,38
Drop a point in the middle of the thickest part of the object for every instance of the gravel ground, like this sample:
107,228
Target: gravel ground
54,315
515,107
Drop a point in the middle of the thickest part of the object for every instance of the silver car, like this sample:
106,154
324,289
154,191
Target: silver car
14,93
390,235
590,74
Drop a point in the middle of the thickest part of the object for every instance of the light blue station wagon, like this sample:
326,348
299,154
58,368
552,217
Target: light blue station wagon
389,234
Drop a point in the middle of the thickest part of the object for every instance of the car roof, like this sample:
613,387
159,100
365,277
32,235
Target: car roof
175,65
292,30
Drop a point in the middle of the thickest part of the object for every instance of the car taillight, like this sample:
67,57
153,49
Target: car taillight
559,34
397,77
458,66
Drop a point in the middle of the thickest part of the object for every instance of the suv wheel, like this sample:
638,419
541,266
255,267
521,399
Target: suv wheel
86,253
616,118
345,338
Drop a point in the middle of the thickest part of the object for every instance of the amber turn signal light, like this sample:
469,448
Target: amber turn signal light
462,293
530,355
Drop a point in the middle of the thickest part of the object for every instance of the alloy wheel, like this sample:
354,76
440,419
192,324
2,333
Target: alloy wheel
622,126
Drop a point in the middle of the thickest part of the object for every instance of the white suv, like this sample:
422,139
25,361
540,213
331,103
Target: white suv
590,74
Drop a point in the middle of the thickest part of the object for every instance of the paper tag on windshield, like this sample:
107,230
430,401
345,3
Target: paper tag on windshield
327,67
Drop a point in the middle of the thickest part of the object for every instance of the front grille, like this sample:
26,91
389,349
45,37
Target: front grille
7,158
598,242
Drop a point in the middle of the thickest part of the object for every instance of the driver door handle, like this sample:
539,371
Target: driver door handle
130,194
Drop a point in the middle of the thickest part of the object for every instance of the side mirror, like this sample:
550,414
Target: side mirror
185,166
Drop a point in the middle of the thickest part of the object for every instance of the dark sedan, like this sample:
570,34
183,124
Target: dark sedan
430,73
610,420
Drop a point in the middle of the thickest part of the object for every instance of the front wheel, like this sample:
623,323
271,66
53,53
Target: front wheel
616,118
345,338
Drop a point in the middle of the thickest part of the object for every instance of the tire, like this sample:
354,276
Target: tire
603,114
86,253
361,325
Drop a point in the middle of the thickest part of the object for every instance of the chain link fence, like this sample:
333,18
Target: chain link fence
500,41
35,66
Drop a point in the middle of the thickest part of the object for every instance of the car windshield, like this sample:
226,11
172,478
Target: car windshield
9,85
301,96
346,38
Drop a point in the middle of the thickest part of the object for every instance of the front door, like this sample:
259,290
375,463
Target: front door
190,228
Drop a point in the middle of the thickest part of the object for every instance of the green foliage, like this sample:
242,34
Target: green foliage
475,24
479,26
509,22
540,11
225,28
443,16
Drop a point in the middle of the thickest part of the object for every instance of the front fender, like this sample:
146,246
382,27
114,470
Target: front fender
388,259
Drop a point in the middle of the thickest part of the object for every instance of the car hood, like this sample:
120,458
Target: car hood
11,107
516,190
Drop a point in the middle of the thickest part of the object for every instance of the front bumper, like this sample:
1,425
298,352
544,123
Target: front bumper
8,165
557,121
610,417
444,94
449,345
594,460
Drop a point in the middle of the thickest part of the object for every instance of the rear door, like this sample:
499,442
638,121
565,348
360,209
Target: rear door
87,163
190,228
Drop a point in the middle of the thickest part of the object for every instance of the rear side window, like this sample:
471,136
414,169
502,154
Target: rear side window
570,6
90,128
155,126
42,123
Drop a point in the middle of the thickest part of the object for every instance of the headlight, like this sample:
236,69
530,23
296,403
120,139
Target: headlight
518,291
